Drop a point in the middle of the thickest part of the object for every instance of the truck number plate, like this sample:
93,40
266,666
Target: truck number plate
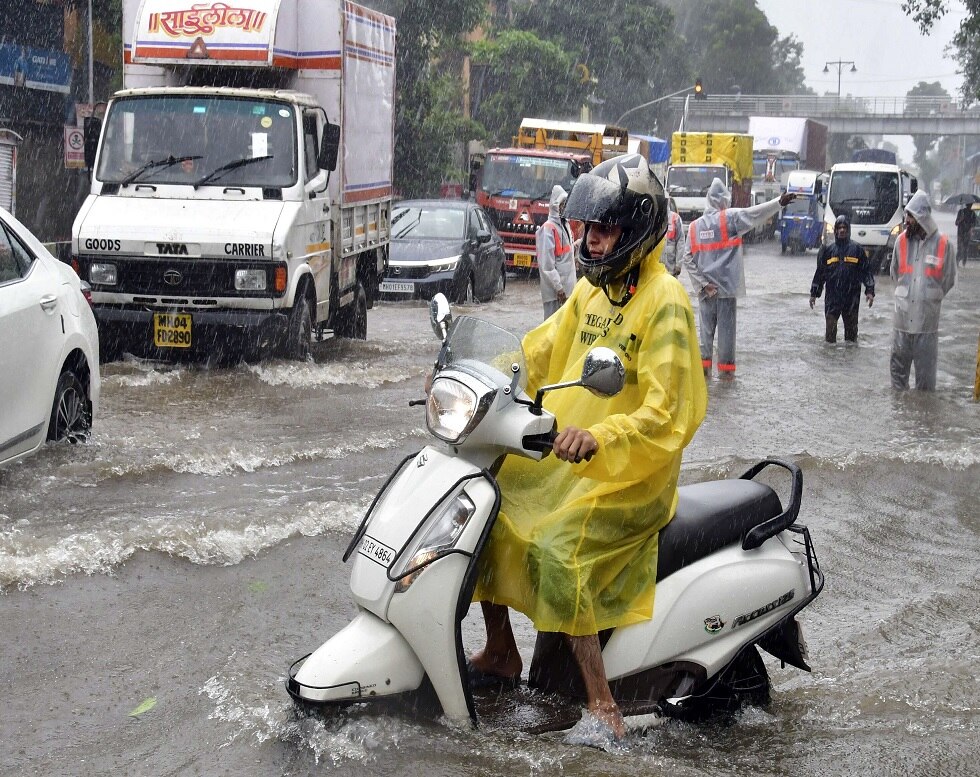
522,260
378,553
398,287
172,330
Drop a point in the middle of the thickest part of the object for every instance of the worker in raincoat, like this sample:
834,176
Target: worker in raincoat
923,267
673,255
575,543
556,262
842,266
713,258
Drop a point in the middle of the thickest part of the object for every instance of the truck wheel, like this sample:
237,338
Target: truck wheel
352,320
71,417
297,345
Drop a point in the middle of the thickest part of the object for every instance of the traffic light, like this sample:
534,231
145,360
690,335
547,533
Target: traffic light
699,93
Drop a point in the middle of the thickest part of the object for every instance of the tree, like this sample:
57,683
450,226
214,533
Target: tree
925,143
965,43
521,75
739,47
428,99
628,48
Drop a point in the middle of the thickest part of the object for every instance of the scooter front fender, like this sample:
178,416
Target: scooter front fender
367,659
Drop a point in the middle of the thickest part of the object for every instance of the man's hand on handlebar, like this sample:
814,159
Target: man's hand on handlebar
575,445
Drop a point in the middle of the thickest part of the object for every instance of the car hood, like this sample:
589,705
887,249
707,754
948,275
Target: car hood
420,251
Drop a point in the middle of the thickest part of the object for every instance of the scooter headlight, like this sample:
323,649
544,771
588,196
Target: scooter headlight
453,408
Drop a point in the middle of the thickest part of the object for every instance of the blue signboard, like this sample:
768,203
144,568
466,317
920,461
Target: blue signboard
29,68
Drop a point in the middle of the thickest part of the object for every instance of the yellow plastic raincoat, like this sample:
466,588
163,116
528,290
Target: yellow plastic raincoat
575,545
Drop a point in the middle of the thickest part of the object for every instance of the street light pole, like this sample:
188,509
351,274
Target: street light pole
91,58
839,64
619,121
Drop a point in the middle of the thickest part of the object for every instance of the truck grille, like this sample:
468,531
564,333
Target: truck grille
179,278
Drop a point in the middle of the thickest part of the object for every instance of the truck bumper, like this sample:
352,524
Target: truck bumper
211,331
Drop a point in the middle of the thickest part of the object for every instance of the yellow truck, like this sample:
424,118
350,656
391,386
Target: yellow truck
599,141
698,157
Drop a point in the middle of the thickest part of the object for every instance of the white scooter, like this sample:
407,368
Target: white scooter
734,569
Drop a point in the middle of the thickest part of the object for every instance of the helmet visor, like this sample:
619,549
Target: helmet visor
594,199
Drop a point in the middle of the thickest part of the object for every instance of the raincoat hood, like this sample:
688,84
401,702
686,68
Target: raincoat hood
558,196
718,196
920,209
846,222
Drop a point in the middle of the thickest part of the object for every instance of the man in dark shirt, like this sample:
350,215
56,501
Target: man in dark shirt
842,266
966,219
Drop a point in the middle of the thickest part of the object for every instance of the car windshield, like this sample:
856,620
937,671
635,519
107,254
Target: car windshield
427,222
692,181
474,345
867,196
170,139
516,175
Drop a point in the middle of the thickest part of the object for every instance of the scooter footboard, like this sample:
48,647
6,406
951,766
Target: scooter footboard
365,660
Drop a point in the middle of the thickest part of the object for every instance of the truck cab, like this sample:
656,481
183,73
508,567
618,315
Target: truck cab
874,196
225,217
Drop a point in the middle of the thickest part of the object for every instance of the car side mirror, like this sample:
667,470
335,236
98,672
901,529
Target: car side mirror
482,236
329,147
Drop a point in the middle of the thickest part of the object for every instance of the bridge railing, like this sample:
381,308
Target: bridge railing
816,106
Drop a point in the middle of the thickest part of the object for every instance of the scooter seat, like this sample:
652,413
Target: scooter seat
710,516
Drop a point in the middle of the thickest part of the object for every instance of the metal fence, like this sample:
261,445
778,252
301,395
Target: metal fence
825,106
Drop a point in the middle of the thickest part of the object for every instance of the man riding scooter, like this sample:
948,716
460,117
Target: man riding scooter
577,534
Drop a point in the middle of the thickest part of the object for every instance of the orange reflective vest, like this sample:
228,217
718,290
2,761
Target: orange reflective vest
561,247
720,239
672,220
931,270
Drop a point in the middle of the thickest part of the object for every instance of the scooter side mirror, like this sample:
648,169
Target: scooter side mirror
440,315
603,373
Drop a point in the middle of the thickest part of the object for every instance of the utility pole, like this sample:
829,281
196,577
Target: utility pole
91,59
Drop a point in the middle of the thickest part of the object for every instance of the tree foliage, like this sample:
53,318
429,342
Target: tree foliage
516,74
965,43
428,115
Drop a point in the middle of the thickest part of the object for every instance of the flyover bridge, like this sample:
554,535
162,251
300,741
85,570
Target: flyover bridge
844,115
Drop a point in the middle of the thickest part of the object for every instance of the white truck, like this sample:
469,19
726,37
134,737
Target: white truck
242,184
874,197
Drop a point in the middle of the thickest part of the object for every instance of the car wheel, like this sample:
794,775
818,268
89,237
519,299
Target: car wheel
71,416
465,295
352,320
501,282
300,331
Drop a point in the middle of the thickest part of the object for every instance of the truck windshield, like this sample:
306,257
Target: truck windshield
516,175
867,196
692,180
766,169
181,139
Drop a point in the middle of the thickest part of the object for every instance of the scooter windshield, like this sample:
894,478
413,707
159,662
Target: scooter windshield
482,348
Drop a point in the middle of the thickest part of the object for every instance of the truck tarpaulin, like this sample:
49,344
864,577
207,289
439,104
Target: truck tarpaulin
730,149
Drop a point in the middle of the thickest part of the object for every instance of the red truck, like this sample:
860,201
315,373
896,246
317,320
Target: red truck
514,184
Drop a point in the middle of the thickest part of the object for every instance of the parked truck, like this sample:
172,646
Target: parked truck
514,184
698,157
242,184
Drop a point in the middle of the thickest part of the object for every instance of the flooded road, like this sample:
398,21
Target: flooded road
181,560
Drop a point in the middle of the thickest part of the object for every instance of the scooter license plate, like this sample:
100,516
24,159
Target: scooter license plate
172,330
378,552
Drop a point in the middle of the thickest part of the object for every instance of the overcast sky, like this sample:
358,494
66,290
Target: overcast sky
890,53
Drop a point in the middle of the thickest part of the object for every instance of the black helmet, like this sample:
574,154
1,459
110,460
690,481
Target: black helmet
622,191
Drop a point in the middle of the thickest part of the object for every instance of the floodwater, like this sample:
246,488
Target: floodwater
185,556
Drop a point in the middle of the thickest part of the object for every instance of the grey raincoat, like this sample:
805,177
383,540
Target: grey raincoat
924,270
713,254
556,259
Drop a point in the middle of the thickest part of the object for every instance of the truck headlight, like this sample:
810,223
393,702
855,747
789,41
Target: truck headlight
436,541
250,280
102,274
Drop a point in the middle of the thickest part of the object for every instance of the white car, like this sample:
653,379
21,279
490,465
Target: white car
49,347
